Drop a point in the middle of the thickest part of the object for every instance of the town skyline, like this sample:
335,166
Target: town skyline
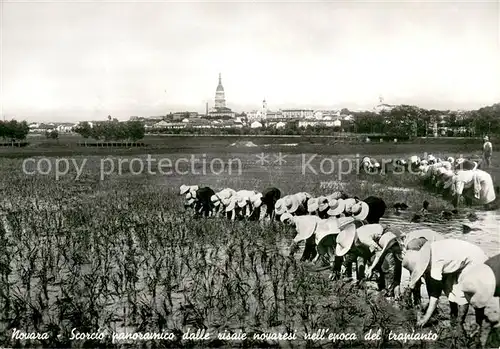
83,61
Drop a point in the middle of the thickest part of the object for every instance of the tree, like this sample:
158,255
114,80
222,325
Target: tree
83,129
14,130
53,134
135,130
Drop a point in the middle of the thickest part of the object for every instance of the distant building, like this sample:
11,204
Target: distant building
320,114
220,110
41,127
183,115
161,124
382,106
272,115
199,123
65,127
263,114
255,124
297,113
325,123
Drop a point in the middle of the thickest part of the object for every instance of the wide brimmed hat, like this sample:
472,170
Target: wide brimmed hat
231,203
360,210
215,199
345,239
417,262
486,138
330,226
305,226
292,203
414,159
479,281
242,201
280,206
387,240
286,216
320,203
323,203
348,204
450,159
366,232
428,234
243,197
184,189
256,200
337,206
222,197
312,205
190,198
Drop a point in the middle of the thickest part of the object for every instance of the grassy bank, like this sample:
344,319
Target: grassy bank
68,145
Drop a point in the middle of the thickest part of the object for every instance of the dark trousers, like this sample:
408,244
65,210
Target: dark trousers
347,261
390,269
310,250
417,294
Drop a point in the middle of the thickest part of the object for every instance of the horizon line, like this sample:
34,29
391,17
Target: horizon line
194,110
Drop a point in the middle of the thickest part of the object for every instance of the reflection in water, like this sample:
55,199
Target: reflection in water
485,232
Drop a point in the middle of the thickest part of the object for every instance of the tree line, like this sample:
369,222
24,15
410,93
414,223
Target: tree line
402,120
13,130
112,130
419,122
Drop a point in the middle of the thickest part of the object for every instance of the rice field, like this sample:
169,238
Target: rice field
101,258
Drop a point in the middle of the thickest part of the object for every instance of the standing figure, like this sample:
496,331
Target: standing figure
487,150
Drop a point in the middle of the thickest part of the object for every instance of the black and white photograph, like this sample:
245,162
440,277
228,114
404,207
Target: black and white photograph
249,174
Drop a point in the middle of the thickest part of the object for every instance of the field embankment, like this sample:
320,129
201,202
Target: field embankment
168,144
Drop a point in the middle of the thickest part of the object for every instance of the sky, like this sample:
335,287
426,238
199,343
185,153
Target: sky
71,61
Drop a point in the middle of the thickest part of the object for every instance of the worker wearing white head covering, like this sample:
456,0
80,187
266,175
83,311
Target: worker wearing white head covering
473,185
441,262
481,286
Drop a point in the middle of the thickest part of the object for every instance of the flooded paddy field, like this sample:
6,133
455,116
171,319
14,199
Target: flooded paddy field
106,244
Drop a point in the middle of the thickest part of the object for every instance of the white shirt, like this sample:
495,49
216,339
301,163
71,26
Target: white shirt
465,179
452,255
369,235
487,147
